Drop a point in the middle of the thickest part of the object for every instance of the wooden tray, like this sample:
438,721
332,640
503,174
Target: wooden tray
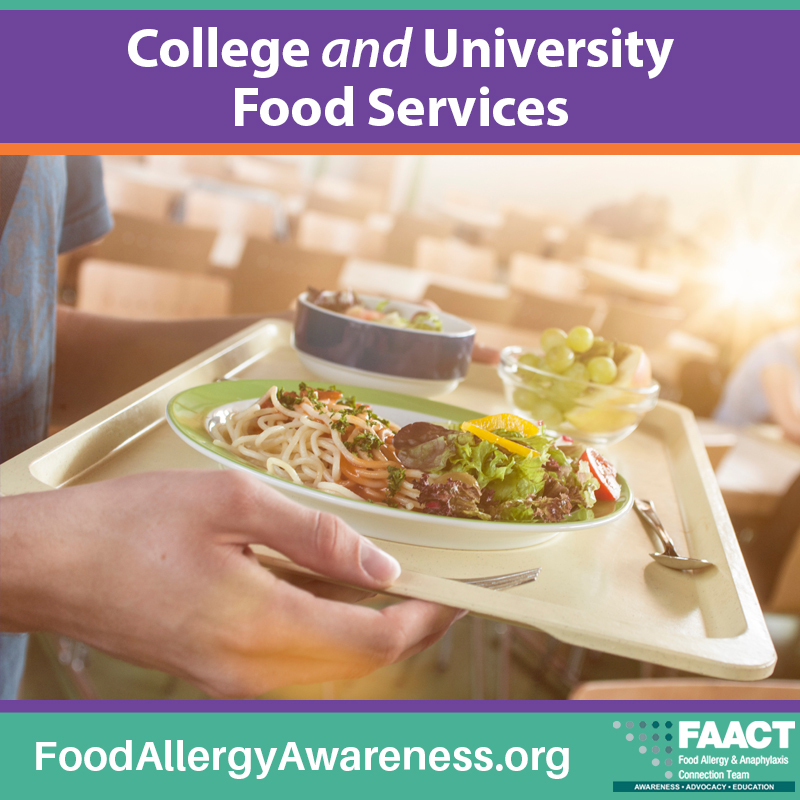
598,589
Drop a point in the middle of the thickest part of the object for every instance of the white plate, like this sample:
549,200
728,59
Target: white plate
194,413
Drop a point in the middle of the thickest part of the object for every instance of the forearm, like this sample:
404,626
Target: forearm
37,561
157,569
100,358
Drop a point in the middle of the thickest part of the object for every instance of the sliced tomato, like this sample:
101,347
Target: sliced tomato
605,473
329,394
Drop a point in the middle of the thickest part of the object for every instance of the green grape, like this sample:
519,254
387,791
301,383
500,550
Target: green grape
602,369
541,410
530,360
552,337
560,358
580,338
578,372
525,399
562,395
548,414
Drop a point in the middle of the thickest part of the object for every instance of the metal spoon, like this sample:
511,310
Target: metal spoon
669,558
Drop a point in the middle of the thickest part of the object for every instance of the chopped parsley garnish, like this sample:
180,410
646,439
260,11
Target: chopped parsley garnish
396,477
366,442
373,417
357,408
340,425
289,399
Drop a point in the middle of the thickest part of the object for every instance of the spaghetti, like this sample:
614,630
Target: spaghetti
320,439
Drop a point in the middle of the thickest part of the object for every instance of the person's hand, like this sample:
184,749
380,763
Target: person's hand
156,569
482,354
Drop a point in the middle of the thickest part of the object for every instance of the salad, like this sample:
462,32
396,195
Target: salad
503,468
350,304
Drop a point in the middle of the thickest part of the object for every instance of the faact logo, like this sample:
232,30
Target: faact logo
757,734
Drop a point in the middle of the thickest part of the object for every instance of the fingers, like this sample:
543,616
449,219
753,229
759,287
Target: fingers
435,619
332,641
323,589
482,354
255,513
360,637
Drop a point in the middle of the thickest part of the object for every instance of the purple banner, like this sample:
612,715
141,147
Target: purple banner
726,77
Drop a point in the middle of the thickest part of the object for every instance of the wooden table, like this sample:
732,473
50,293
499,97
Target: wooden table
757,471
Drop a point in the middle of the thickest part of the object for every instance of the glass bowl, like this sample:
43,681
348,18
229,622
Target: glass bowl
592,413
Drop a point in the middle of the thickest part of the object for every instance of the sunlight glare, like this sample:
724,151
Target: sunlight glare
751,272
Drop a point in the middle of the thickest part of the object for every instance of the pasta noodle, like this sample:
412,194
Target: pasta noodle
317,438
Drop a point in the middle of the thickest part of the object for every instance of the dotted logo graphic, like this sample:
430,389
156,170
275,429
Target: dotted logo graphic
660,755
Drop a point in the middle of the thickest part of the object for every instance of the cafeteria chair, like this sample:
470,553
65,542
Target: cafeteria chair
476,223
134,240
645,324
544,275
668,260
696,293
521,232
611,278
687,689
452,256
785,595
155,244
139,292
472,300
612,249
113,159
271,275
135,196
374,231
344,198
585,242
401,241
228,213
377,170
539,311
207,166
279,176
329,233
385,280
771,550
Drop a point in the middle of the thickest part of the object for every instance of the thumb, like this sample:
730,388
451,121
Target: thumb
314,539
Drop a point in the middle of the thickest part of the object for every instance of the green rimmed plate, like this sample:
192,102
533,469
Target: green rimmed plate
193,413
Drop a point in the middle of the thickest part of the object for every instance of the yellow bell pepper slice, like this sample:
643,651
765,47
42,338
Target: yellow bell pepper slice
483,427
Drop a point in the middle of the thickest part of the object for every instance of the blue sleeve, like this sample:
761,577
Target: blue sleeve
86,215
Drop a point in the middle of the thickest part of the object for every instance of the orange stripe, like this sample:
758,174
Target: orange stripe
399,148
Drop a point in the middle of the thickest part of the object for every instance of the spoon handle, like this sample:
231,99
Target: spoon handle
648,513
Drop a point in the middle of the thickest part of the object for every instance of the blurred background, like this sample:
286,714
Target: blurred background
694,258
